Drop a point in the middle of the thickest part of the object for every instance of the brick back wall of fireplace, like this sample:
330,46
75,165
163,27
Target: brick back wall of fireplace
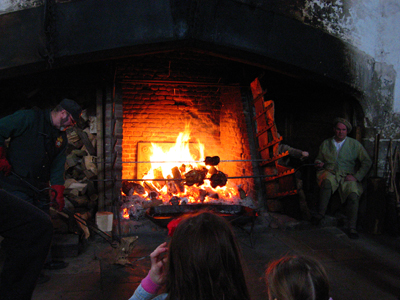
158,113
162,93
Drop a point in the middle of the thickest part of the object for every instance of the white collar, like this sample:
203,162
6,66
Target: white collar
338,145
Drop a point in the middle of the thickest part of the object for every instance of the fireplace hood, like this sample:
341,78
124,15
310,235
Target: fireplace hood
267,34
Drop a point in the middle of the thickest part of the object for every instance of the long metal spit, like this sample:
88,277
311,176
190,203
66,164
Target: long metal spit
192,161
179,179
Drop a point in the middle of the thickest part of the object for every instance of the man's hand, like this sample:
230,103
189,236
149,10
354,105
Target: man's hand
304,155
60,196
157,271
5,166
350,178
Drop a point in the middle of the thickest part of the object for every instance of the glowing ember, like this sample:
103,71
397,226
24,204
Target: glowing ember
125,213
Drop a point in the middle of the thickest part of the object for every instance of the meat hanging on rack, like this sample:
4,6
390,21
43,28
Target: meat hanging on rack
218,179
196,176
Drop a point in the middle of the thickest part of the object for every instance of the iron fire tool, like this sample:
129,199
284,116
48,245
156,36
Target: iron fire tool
209,161
123,246
67,213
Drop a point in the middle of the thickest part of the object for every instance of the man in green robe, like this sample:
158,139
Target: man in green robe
336,162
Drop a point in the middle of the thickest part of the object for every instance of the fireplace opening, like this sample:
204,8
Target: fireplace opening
181,110
182,128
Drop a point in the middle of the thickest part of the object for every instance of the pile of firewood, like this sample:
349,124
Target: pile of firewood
81,167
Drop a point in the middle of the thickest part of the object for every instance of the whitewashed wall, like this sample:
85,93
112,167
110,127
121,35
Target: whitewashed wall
372,26
7,6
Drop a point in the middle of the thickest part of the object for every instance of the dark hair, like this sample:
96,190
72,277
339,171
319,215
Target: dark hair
297,278
204,261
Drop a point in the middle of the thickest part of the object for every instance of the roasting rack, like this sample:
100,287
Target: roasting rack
238,215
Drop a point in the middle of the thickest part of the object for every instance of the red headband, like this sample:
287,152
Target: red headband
172,226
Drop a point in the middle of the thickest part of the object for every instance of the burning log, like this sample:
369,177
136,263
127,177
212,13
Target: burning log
171,186
130,187
158,175
139,189
242,193
149,187
153,195
218,179
202,195
174,200
214,196
154,201
177,175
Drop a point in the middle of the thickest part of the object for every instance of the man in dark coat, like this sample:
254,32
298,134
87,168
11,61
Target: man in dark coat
27,232
35,156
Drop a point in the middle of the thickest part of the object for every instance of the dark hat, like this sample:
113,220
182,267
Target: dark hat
72,107
343,121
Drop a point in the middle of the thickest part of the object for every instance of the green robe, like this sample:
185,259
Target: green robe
352,159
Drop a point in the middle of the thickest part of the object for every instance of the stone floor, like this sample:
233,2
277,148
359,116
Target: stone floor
367,268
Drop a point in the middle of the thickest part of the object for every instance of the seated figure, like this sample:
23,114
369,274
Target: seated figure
336,164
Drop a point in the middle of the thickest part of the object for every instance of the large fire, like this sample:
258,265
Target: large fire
178,176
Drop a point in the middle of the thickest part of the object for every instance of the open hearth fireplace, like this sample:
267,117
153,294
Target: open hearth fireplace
187,140
200,157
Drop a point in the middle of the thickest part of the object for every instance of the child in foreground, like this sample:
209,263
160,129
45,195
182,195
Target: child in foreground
297,278
203,263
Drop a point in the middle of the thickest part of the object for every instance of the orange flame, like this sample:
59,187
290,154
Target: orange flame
125,213
181,151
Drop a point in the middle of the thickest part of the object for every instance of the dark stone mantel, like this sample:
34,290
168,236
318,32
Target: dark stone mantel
92,30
